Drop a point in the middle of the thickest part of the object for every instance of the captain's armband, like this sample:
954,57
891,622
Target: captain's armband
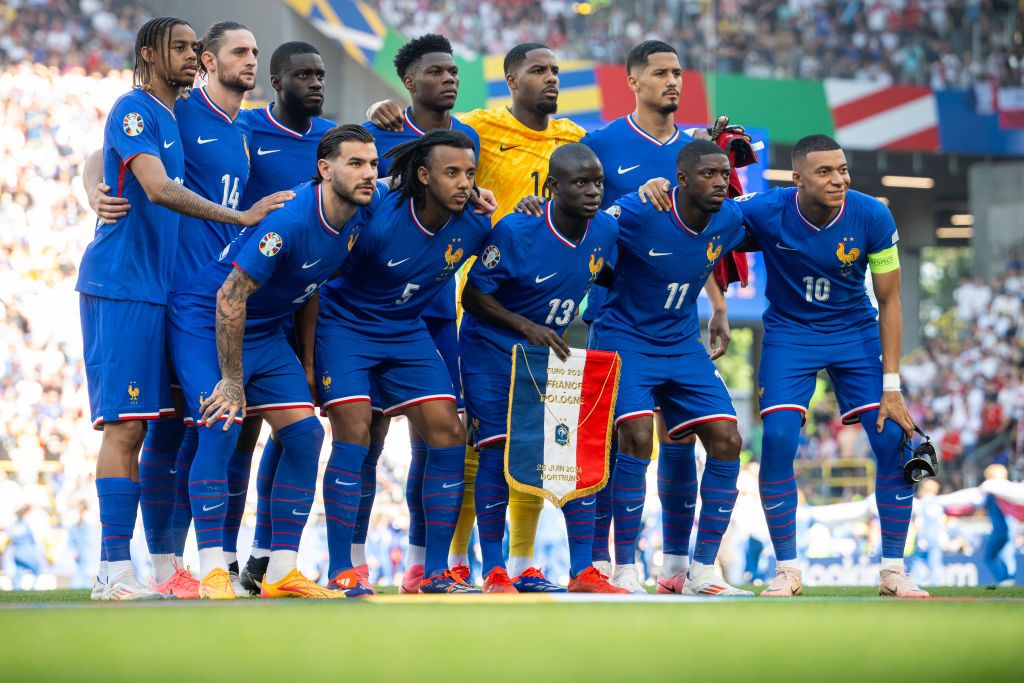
884,261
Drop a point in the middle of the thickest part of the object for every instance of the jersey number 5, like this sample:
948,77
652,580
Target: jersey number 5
410,289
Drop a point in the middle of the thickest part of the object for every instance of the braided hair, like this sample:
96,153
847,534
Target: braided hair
407,158
152,34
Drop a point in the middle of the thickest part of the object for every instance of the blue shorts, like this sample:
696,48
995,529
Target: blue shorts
445,333
272,374
401,374
487,406
125,360
787,376
686,387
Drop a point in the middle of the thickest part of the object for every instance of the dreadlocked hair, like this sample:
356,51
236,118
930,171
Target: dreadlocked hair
152,34
213,38
407,158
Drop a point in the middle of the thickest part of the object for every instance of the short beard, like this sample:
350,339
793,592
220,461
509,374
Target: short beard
236,84
345,195
668,108
547,108
314,109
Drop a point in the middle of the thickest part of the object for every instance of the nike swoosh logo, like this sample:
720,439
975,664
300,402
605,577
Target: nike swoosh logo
659,253
503,148
174,471
780,245
310,265
589,502
212,507
492,505
629,509
339,482
627,170
234,495
260,152
601,517
168,145
540,279
299,514
769,508
201,141
448,486
392,264
689,505
726,511
909,495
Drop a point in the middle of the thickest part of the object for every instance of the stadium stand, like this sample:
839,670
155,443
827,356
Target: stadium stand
919,42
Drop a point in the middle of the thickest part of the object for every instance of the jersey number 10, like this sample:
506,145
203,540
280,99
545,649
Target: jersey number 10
817,290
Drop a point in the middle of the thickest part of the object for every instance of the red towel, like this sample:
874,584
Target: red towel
733,266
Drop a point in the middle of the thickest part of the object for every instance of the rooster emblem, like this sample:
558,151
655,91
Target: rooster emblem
846,258
452,255
595,264
326,382
713,252
352,240
133,392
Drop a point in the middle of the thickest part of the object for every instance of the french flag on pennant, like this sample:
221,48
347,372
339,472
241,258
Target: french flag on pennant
560,422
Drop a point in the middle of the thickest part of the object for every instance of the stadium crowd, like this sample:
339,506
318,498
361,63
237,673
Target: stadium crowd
941,43
967,391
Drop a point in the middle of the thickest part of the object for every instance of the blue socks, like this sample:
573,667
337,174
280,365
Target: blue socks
779,440
368,493
603,515
291,497
157,480
182,517
414,494
895,497
677,490
119,504
718,497
264,484
491,496
579,526
238,486
444,482
208,483
342,488
629,488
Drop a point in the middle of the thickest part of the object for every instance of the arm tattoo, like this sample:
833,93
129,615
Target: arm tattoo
180,199
231,301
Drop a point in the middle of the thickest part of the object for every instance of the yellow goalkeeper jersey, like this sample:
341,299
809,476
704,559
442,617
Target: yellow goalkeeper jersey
513,159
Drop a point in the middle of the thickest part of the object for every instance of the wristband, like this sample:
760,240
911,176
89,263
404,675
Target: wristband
891,381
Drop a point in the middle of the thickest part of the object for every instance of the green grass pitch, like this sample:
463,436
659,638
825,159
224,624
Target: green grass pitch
830,635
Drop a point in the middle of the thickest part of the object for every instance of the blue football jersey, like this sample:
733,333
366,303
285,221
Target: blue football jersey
386,139
630,156
133,258
291,253
443,305
532,270
397,266
217,169
280,158
662,266
816,276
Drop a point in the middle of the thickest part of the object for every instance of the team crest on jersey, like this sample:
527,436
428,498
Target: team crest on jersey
760,392
352,240
133,392
270,244
847,256
452,255
133,124
596,264
325,382
614,211
491,256
245,146
713,251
